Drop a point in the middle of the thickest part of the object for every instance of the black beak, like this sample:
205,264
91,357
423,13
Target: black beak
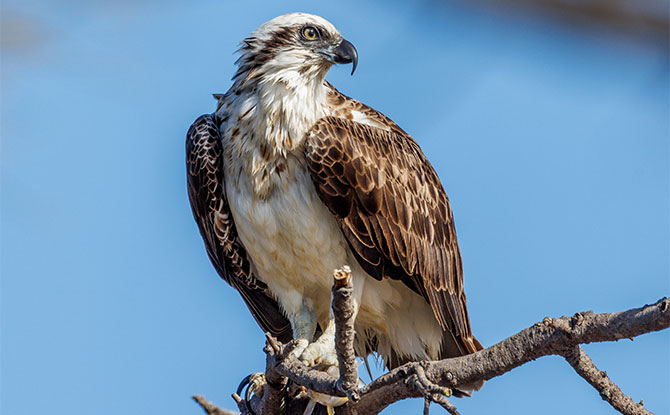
345,52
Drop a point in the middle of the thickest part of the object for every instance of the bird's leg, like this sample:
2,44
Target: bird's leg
321,355
322,351
304,326
319,352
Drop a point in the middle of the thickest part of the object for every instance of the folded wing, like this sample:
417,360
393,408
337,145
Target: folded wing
394,213
206,192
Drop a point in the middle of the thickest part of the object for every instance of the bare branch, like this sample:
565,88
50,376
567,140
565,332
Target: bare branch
608,390
435,379
549,337
343,310
273,396
210,408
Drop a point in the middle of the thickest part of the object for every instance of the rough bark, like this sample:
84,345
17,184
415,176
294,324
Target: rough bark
343,310
434,380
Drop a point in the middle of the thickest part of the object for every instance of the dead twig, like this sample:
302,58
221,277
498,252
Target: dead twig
210,408
608,390
343,310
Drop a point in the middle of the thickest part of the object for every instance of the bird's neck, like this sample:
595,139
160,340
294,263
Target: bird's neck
284,107
265,127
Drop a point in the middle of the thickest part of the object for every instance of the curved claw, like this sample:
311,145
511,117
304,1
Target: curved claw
242,384
247,397
246,382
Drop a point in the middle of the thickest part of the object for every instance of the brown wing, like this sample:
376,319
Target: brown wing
394,213
204,171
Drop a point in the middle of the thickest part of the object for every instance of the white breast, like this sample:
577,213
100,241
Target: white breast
293,240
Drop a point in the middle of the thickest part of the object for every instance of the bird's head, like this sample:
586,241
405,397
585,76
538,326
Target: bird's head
293,49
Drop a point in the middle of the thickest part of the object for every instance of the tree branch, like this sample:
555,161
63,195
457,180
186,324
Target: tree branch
434,380
343,310
273,396
549,337
210,408
608,390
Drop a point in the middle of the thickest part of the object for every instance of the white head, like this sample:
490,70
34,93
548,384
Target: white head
294,49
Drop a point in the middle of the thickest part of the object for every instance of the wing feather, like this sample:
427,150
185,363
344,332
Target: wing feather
206,192
394,212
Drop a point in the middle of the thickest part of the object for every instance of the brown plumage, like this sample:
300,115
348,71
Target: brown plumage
393,211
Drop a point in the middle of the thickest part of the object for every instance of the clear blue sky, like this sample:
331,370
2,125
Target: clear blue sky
551,140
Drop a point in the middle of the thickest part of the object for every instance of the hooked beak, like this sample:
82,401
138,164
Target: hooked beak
345,52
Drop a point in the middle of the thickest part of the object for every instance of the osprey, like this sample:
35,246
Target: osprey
289,179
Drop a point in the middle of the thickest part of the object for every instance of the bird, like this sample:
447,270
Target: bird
289,179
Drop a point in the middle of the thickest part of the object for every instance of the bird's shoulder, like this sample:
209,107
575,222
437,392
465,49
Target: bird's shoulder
345,107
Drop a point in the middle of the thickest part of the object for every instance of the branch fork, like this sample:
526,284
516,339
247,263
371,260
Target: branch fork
434,380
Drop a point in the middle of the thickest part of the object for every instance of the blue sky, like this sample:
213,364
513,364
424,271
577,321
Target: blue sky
551,140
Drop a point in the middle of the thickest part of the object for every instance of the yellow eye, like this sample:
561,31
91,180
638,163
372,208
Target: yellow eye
309,33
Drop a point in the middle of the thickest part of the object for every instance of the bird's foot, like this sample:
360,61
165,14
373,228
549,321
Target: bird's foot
297,346
319,353
254,383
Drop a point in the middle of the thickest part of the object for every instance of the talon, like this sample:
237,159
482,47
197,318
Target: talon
247,398
252,382
242,384
256,384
